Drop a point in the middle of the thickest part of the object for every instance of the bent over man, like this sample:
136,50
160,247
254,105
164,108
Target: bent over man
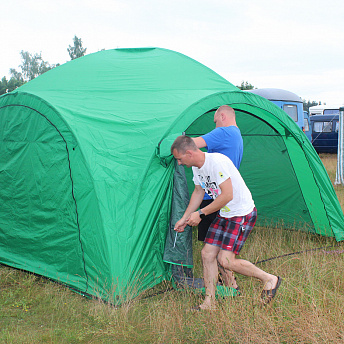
216,175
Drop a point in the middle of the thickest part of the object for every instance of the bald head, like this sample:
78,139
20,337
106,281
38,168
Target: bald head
224,116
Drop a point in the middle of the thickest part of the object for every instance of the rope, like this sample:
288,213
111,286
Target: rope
299,252
320,132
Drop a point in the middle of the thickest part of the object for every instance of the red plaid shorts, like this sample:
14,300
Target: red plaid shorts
231,233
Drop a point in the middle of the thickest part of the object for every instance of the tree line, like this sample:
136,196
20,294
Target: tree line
33,65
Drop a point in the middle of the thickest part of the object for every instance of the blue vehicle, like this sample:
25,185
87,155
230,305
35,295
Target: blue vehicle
307,127
290,102
325,133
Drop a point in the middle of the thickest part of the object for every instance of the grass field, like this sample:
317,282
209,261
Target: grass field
309,306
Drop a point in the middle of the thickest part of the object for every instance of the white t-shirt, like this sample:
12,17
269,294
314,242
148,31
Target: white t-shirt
216,169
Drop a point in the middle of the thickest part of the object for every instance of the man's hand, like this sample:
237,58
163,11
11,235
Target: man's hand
194,219
180,225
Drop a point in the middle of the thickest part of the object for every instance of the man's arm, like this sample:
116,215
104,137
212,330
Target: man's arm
225,197
195,201
199,141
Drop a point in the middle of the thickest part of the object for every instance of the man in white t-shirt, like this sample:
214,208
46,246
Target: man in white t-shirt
216,175
225,139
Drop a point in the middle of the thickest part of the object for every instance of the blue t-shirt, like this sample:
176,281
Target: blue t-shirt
225,140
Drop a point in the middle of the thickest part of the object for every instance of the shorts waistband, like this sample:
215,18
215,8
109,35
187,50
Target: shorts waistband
228,218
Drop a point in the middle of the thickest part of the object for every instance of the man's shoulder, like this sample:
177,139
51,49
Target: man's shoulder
212,132
217,134
219,157
231,129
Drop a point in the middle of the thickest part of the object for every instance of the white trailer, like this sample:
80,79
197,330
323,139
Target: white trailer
324,109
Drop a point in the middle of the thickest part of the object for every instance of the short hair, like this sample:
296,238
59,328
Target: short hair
182,144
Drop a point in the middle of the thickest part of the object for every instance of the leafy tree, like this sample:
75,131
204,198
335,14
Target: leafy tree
307,104
16,75
31,67
246,86
77,50
9,86
3,85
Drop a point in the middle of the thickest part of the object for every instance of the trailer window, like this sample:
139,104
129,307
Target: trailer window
336,126
322,127
291,110
331,112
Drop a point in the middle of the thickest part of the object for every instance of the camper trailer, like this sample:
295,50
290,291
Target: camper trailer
325,133
324,121
324,110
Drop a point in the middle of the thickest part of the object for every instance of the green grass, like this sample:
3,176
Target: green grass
309,306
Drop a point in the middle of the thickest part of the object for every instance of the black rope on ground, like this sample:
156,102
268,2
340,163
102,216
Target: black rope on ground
157,293
299,252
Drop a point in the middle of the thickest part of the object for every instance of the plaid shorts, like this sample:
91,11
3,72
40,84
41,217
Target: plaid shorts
231,233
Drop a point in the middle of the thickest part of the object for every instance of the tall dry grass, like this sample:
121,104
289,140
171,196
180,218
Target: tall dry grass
308,308
330,163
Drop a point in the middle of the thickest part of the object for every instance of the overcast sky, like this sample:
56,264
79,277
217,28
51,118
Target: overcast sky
296,45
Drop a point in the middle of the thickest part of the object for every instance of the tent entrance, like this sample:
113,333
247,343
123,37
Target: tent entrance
39,212
266,168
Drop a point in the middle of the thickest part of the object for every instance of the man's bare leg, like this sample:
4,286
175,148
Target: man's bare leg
210,274
229,261
228,277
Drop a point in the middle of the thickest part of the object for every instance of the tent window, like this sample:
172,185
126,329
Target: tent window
291,110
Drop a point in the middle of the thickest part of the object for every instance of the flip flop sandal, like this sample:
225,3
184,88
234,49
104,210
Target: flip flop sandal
199,309
268,295
238,291
195,309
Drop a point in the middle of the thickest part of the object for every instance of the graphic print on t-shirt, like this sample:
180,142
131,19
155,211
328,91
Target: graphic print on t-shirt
210,187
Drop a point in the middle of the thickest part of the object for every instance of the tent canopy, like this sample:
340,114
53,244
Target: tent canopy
86,174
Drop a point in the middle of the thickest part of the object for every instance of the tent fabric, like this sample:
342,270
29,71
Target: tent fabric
86,176
178,246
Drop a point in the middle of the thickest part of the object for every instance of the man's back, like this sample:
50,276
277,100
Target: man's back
227,141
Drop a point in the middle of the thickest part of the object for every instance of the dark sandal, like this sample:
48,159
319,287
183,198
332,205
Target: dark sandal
268,295
237,288
199,309
238,291
195,309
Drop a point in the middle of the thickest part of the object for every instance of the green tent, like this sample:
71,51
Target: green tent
86,176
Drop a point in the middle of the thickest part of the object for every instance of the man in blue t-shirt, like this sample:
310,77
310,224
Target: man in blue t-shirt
226,139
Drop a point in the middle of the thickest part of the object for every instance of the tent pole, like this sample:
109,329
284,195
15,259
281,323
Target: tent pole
340,153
